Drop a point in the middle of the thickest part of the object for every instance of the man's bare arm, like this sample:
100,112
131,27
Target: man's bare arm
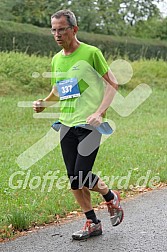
51,99
110,91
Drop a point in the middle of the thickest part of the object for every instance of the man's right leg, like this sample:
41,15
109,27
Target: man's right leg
92,226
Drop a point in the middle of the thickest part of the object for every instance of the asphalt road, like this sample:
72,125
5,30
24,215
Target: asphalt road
144,229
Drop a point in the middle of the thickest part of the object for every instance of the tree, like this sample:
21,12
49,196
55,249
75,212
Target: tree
162,29
114,17
86,13
5,9
136,10
36,12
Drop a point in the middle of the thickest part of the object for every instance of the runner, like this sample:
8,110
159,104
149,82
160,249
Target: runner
84,85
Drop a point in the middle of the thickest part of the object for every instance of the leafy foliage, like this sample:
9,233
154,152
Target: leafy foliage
134,11
99,16
6,9
34,40
154,28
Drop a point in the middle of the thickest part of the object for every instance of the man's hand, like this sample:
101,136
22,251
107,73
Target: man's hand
38,106
94,119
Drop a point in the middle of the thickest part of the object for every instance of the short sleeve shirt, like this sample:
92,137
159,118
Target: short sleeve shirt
84,67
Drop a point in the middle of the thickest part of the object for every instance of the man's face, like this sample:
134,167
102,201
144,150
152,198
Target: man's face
63,32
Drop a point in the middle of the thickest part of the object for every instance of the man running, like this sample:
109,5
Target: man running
79,72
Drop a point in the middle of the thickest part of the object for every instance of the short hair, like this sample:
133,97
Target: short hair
71,19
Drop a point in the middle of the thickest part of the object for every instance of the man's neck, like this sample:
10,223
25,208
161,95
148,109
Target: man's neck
71,48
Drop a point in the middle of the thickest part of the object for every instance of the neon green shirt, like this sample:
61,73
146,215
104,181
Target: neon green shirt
87,65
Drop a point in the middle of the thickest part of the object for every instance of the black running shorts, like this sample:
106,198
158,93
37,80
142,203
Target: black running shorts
79,148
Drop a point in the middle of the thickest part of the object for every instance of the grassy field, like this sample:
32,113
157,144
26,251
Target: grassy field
136,149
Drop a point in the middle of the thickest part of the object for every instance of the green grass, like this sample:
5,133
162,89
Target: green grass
16,70
20,220
138,146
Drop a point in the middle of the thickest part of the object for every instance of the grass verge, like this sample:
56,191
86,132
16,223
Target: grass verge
132,158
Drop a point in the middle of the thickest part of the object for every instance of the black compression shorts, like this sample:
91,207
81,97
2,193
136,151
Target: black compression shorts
79,148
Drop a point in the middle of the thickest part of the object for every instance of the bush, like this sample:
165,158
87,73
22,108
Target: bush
26,38
35,40
132,48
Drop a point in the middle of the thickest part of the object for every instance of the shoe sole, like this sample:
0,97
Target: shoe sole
95,233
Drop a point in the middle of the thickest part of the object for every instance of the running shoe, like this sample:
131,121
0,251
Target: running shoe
90,229
115,210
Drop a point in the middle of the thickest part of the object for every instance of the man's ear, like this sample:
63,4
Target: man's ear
76,28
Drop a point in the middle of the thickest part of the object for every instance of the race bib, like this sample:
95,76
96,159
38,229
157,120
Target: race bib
68,88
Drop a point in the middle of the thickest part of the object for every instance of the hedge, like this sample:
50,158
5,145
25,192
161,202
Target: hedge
34,40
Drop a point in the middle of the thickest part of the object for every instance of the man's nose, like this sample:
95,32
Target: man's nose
57,35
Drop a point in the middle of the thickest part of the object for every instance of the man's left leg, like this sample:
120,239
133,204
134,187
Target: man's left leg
112,199
90,145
